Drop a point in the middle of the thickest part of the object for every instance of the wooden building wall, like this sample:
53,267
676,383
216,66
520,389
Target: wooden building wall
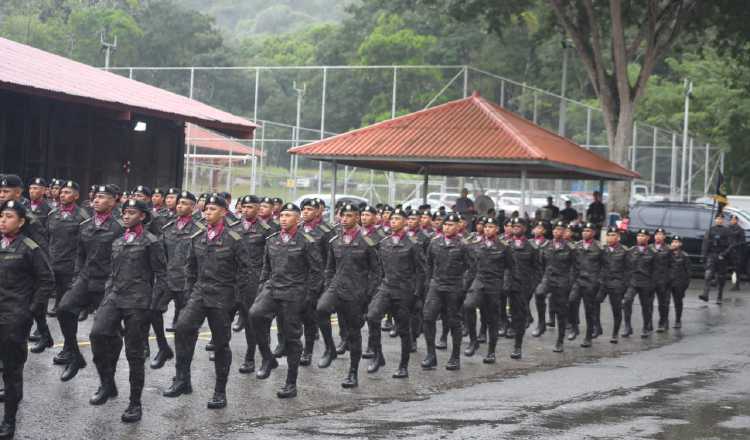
55,139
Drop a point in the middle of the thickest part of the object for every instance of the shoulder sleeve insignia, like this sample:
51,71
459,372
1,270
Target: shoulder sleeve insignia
30,243
413,239
197,234
235,235
368,240
86,221
325,228
333,238
168,224
309,237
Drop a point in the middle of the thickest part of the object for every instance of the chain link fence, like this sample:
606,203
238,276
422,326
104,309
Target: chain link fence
301,104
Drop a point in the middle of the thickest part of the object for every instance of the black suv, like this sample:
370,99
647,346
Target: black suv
688,220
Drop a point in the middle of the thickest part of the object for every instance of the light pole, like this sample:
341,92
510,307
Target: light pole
294,158
107,48
688,92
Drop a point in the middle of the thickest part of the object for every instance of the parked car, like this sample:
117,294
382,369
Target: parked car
344,198
688,220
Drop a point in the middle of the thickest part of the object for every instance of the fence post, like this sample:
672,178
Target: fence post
254,165
322,125
653,162
673,171
705,171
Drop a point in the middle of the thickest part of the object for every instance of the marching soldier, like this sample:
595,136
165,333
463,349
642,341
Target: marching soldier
402,285
662,266
175,239
159,211
588,260
265,213
216,268
63,225
291,270
254,234
558,273
55,187
92,268
138,269
370,228
322,234
615,276
538,243
37,203
25,286
521,281
679,277
351,276
493,264
447,260
641,265
572,234
88,204
737,241
715,251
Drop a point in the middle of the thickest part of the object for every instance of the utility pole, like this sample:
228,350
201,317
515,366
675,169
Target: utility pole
294,158
688,93
563,107
108,48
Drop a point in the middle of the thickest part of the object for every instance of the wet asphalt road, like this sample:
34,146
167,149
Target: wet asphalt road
688,383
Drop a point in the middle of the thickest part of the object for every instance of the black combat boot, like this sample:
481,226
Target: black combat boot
266,366
376,362
180,385
403,365
133,413
454,362
351,379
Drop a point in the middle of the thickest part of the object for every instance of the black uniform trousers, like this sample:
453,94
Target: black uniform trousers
487,300
590,306
63,282
445,301
290,311
678,295
715,268
159,306
401,308
663,296
107,341
186,335
616,296
13,354
560,305
646,298
350,313
75,300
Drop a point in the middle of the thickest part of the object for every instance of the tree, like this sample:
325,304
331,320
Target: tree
611,39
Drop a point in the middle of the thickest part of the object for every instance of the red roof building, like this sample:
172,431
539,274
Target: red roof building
204,139
466,137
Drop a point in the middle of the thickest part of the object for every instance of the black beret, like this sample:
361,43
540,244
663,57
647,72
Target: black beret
146,191
204,196
660,230
267,200
320,201
387,208
575,227
369,208
482,220
157,191
38,181
136,204
589,225
225,195
399,212
518,221
250,199
676,238
452,217
490,221
277,200
424,211
643,232
126,193
436,215
106,189
290,207
218,201
350,208
313,203
508,222
173,191
424,206
613,230
72,185
412,212
14,206
186,195
56,182
92,188
10,181
562,224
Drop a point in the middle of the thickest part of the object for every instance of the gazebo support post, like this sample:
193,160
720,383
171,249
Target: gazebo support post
425,185
333,193
523,192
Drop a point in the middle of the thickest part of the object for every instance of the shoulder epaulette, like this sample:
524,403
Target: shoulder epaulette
233,223
264,225
273,235
324,228
30,243
151,237
168,224
571,246
435,237
234,235
86,221
52,211
333,238
84,213
199,226
383,239
197,234
368,240
308,237
413,239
